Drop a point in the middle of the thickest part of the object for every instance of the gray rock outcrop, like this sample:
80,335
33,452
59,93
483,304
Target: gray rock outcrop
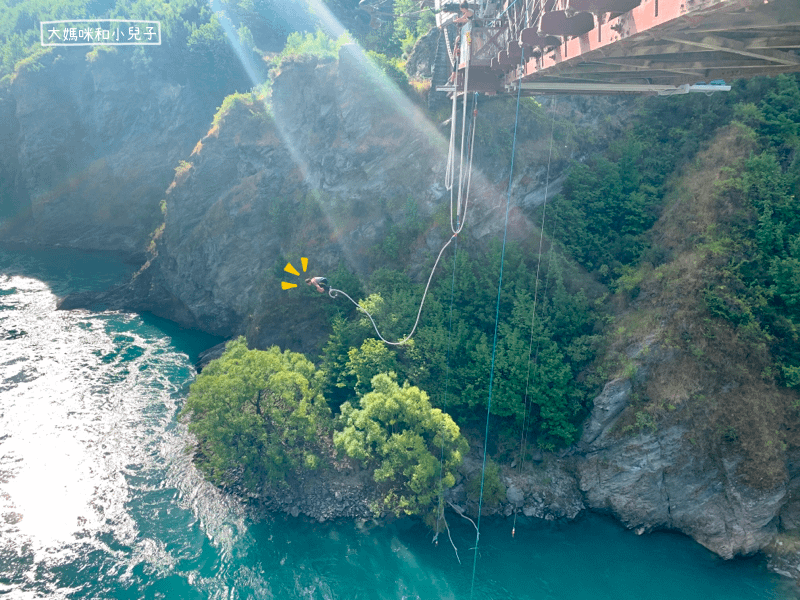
657,480
649,478
95,144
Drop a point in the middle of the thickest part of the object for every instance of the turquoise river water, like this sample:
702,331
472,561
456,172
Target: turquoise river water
98,498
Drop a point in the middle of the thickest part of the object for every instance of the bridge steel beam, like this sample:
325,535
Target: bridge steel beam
676,42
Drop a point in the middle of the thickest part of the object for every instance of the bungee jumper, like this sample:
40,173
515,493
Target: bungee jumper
319,283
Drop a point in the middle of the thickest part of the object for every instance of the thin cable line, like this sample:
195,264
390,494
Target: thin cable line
523,436
496,323
333,293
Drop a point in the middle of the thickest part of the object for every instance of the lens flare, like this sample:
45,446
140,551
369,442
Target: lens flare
384,89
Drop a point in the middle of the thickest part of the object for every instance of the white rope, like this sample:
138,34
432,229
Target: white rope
333,293
462,201
449,176
469,170
451,152
463,133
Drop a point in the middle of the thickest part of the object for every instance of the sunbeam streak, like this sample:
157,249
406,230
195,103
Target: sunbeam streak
420,130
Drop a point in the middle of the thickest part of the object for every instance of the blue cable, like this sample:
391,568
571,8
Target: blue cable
496,323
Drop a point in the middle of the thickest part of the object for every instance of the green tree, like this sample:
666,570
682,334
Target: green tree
414,448
340,383
257,415
371,359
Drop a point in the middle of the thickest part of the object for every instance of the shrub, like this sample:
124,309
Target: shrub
494,490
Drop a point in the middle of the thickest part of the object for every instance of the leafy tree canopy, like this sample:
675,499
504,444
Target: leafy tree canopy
537,364
414,448
257,415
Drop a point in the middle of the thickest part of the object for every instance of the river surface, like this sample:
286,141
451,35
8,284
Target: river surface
98,498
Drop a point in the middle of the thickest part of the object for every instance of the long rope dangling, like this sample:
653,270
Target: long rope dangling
461,174
333,293
451,150
461,199
462,212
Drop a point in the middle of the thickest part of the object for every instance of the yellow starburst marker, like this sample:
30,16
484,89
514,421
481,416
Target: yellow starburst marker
290,269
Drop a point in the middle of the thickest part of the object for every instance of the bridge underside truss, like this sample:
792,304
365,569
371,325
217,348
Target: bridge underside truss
584,46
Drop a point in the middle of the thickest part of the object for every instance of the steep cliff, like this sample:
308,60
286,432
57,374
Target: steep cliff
94,143
333,167
324,173
338,167
693,434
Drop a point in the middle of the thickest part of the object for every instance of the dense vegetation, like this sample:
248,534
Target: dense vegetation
759,287
414,447
259,417
194,44
537,364
551,361
610,203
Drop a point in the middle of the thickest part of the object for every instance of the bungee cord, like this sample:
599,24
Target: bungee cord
459,211
462,199
451,154
333,293
466,58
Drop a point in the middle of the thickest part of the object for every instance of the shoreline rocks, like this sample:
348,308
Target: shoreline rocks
654,480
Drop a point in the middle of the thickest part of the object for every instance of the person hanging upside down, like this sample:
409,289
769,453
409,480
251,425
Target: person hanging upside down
320,283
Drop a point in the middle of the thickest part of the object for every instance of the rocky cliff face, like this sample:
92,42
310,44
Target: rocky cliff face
93,145
653,479
337,163
691,435
333,165
659,480
325,173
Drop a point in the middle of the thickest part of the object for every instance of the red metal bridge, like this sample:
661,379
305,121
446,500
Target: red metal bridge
619,46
